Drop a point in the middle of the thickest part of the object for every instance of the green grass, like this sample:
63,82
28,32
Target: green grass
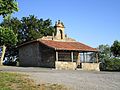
15,81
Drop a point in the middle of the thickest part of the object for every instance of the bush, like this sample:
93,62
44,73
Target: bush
112,64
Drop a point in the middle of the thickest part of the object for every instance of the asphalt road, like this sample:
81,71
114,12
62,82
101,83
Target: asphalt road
75,79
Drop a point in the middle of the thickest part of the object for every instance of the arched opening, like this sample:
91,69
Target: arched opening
61,33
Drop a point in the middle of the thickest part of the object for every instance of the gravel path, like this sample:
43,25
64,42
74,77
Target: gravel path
76,79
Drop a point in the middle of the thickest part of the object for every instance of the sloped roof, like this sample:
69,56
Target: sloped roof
75,46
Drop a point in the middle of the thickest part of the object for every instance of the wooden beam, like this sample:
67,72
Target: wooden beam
56,56
97,57
78,59
72,56
84,57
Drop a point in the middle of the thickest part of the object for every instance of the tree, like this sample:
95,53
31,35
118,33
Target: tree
104,52
8,7
33,28
115,48
108,62
15,25
104,55
7,38
29,28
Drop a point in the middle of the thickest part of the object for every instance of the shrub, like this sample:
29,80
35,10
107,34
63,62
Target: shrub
112,64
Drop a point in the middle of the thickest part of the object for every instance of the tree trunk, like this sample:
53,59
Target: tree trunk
3,54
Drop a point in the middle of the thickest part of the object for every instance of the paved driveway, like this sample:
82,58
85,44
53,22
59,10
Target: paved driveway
76,79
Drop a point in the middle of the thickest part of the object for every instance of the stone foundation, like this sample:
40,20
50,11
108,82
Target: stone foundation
91,66
65,65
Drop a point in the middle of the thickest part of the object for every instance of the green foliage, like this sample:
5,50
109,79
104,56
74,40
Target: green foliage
15,25
104,55
113,64
108,62
29,28
8,7
115,48
12,23
7,37
104,52
33,28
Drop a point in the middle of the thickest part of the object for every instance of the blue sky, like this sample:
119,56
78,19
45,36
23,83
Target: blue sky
92,22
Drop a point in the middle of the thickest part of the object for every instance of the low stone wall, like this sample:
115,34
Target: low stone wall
91,66
65,65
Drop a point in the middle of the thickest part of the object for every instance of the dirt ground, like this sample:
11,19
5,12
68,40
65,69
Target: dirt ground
75,79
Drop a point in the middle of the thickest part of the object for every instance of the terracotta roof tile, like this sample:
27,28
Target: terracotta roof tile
67,45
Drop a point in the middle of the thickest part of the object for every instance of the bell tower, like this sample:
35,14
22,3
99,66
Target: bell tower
59,30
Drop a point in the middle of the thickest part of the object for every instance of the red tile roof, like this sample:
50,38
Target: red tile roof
57,45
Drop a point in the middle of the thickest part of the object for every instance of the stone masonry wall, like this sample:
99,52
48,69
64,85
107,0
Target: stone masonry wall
36,55
47,56
65,65
91,66
29,55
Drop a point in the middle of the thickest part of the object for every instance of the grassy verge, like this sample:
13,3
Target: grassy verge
14,81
